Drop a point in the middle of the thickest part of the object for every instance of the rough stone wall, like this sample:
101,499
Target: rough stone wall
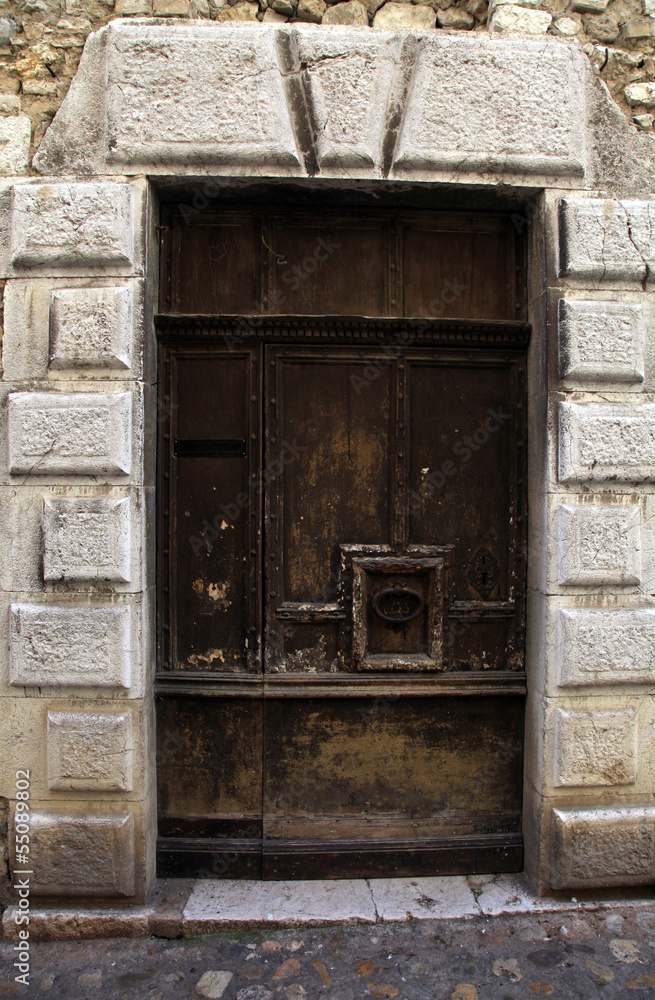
41,42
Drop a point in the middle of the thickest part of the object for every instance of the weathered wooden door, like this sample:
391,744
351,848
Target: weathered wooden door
340,688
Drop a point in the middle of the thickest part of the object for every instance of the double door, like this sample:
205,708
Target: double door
340,688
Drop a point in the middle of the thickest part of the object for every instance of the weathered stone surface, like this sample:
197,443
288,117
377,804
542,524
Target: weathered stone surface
283,7
508,19
524,3
228,903
97,330
589,6
349,79
542,82
640,93
8,30
90,751
272,17
599,545
600,646
75,924
168,101
455,17
241,11
81,856
69,433
351,12
311,10
601,443
499,894
422,898
173,97
127,8
602,27
566,26
171,8
15,135
594,748
68,225
213,983
592,848
638,28
91,326
86,539
601,341
404,15
607,240
69,646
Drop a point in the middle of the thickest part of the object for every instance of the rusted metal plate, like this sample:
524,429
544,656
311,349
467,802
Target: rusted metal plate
342,544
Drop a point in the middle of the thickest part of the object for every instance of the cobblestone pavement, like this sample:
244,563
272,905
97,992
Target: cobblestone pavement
601,954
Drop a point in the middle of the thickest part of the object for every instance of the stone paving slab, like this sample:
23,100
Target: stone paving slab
423,898
180,907
229,903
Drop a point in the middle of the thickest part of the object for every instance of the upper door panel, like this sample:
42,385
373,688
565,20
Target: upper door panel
257,261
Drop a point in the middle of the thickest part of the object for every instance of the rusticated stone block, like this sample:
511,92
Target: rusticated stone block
81,856
595,748
471,130
86,539
69,433
600,443
71,225
90,751
599,545
598,646
601,341
607,240
349,78
69,646
91,326
593,848
196,94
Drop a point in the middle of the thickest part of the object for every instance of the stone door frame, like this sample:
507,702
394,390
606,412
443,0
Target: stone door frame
320,106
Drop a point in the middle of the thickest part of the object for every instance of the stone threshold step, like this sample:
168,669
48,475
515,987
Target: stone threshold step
180,907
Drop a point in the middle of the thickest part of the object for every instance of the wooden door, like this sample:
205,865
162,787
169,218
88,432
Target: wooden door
340,688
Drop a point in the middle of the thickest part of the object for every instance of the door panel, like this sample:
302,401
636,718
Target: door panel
340,687
442,274
228,279
211,449
307,275
331,451
341,769
264,261
209,760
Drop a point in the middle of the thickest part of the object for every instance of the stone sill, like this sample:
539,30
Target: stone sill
180,907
